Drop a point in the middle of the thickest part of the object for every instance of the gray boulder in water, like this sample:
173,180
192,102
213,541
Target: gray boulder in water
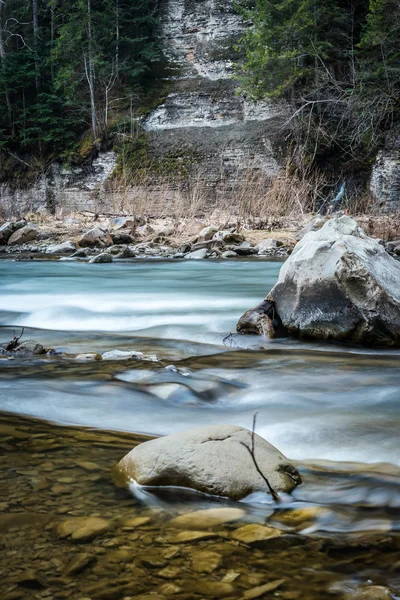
338,284
212,460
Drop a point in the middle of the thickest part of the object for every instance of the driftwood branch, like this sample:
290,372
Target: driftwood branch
251,451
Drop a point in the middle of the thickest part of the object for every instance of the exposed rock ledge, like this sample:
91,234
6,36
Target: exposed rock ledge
338,284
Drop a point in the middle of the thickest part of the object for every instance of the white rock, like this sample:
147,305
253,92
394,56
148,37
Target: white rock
63,248
197,254
208,459
338,284
126,354
266,245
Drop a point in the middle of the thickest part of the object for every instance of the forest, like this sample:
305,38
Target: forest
69,71
67,66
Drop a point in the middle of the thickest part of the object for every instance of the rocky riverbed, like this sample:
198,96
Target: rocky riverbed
68,532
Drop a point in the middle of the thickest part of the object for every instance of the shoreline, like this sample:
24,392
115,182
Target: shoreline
103,239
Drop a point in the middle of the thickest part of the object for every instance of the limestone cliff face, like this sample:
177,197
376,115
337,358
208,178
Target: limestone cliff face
203,112
385,180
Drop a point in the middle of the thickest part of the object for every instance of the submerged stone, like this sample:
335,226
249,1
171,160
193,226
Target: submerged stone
205,519
249,534
259,591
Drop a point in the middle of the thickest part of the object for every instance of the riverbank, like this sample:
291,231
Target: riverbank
102,238
68,532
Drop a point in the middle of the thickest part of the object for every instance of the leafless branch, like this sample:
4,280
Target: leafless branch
251,451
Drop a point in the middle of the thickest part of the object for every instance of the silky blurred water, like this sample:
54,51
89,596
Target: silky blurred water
315,401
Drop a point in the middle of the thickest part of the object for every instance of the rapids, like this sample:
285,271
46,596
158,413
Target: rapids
315,401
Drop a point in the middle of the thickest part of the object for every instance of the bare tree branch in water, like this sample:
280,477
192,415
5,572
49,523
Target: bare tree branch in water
231,339
13,345
251,451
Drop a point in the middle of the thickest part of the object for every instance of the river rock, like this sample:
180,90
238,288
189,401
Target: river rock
265,246
229,237
30,347
101,258
207,233
81,253
371,592
145,230
228,254
211,460
205,561
64,248
252,533
121,238
95,237
23,235
82,529
245,249
314,225
259,591
205,519
214,589
122,223
337,284
197,254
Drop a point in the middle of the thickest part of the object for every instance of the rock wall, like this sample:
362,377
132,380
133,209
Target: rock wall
68,190
385,180
204,113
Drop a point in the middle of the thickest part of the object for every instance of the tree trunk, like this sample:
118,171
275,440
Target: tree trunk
36,40
2,66
117,38
90,75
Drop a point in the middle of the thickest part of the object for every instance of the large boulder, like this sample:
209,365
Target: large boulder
338,284
212,460
8,228
95,237
23,235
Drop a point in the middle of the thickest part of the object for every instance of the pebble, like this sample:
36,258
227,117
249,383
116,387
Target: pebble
262,589
204,519
215,589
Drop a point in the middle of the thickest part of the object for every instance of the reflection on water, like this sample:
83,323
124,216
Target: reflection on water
67,531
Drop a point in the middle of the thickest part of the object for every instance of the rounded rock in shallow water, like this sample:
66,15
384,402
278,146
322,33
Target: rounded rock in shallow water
204,519
371,592
101,259
214,460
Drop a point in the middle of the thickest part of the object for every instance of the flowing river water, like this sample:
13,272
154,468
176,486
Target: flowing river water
64,423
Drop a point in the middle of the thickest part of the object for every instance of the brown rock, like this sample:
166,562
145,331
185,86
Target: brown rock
204,519
23,235
78,563
215,589
249,534
82,529
205,561
263,589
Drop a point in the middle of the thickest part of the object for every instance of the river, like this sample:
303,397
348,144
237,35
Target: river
332,409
